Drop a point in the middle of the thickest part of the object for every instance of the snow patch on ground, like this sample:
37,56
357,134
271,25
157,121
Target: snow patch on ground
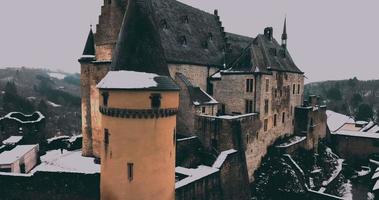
57,75
53,104
336,171
346,190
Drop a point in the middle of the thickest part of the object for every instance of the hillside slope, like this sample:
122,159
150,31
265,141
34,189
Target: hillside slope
55,94
352,97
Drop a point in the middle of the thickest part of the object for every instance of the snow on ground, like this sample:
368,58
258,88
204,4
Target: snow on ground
53,104
336,120
128,80
336,171
346,190
57,75
69,161
364,171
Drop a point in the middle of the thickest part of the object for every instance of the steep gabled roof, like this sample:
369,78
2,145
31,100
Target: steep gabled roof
197,95
157,32
264,55
237,44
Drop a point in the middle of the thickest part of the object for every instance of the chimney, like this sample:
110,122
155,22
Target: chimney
268,32
215,12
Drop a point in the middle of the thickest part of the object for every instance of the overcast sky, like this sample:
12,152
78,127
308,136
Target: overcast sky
327,39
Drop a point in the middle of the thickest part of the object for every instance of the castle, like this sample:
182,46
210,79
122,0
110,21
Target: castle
236,93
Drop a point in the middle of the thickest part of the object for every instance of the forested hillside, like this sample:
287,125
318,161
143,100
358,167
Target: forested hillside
352,97
55,94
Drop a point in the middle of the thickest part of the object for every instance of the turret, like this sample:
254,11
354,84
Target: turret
284,34
89,51
138,149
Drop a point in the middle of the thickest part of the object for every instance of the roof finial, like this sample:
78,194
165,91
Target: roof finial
284,34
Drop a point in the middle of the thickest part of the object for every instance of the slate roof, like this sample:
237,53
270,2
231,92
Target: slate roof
264,55
89,49
197,95
237,43
157,32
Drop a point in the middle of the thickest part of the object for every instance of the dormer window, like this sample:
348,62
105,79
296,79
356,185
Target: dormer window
164,24
105,98
183,40
155,100
205,44
185,19
210,36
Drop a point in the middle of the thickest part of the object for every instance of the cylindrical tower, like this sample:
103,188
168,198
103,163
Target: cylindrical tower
139,119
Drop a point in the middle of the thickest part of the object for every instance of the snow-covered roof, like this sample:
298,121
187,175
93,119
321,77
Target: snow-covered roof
376,186
12,140
357,134
376,175
374,129
222,157
185,139
336,120
74,138
193,174
291,141
202,170
9,157
230,116
131,80
62,137
69,161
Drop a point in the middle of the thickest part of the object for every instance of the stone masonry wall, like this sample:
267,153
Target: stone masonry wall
91,74
86,108
230,90
197,75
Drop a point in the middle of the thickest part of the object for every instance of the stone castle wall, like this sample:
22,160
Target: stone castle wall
280,100
91,75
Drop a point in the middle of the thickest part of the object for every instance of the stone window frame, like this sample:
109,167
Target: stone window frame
203,109
267,85
293,88
249,85
275,120
283,117
265,125
298,88
249,103
266,106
